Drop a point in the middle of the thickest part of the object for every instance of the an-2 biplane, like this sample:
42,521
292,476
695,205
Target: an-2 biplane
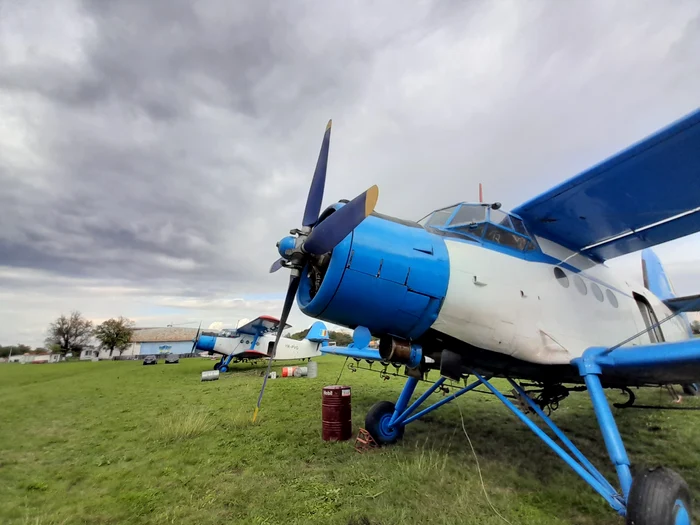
255,339
473,291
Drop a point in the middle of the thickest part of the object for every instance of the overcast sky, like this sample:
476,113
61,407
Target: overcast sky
153,152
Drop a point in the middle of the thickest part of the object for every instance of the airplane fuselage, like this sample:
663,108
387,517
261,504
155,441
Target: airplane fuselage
245,346
526,312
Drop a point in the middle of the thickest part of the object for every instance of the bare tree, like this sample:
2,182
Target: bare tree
71,333
114,334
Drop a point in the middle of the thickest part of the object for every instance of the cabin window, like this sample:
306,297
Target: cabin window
467,214
580,285
561,277
597,292
611,297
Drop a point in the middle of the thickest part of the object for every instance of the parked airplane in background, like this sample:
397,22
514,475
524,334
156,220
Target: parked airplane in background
472,290
255,340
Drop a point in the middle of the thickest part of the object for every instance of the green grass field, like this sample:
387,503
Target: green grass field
122,443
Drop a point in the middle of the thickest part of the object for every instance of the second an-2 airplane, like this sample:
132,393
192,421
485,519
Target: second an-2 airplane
474,291
255,340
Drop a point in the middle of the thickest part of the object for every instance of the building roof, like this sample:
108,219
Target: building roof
167,334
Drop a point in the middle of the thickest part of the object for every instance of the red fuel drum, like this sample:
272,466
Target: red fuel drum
336,413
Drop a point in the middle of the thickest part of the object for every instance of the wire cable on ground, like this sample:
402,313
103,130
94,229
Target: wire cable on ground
478,468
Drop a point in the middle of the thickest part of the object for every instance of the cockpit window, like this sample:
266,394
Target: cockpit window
505,238
439,218
469,222
518,225
498,217
468,214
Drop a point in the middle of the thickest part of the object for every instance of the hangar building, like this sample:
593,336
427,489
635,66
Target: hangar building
156,341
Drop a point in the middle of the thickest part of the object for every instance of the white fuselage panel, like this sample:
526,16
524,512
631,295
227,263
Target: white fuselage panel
517,307
287,349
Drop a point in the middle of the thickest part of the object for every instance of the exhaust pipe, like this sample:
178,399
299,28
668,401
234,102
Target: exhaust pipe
400,351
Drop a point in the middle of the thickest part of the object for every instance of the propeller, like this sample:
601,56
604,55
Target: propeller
315,239
196,338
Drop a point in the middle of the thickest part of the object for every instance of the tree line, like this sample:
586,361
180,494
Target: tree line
72,333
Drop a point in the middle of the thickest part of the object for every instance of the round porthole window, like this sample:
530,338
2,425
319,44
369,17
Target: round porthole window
580,285
611,297
561,277
597,292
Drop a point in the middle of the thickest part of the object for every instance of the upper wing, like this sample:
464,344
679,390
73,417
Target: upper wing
644,195
260,325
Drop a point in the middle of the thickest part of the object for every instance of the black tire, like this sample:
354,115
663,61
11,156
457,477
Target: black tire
690,389
376,424
217,365
659,496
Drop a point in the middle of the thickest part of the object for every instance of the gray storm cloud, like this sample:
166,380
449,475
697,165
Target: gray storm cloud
152,153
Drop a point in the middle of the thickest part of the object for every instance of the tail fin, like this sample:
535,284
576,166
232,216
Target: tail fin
655,278
658,283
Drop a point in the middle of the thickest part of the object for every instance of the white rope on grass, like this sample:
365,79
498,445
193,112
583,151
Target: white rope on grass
478,468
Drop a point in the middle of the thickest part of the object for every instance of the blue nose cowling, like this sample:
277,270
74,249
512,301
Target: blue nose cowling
388,275
206,342
286,246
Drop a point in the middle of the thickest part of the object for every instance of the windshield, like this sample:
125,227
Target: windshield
469,213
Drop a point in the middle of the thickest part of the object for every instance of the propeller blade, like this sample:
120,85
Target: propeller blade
196,338
288,302
276,265
324,237
318,183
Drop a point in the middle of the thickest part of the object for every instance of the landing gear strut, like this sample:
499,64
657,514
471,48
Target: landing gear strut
652,497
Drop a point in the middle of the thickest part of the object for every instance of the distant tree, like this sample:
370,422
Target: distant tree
695,325
340,338
114,334
71,333
299,335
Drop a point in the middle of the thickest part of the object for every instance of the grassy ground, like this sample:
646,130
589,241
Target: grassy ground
117,442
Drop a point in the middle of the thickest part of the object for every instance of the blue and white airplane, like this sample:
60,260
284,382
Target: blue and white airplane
474,291
255,340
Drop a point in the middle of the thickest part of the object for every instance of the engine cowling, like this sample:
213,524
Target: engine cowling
389,275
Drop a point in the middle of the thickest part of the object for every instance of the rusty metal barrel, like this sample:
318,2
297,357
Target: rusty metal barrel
336,413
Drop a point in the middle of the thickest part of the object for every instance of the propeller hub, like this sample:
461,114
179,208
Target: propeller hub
286,246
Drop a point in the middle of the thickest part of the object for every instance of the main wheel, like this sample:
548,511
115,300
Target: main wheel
690,389
217,365
658,496
377,423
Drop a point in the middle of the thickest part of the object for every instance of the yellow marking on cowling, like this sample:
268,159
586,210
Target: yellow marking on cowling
371,197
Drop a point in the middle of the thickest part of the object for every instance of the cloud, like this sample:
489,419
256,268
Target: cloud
154,152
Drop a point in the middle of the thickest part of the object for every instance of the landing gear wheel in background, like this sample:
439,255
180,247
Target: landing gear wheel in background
377,423
691,389
659,496
217,366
